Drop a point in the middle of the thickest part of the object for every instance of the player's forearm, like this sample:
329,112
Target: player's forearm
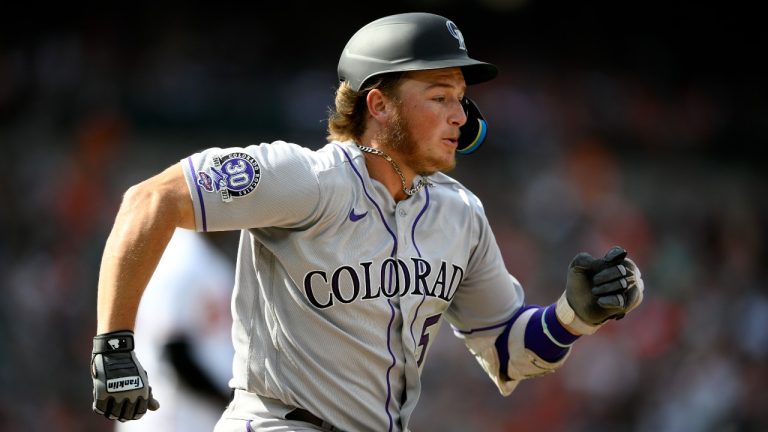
131,254
148,215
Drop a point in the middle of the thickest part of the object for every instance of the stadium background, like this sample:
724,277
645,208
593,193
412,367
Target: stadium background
611,122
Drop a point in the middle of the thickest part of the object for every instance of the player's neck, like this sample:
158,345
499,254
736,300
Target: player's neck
388,171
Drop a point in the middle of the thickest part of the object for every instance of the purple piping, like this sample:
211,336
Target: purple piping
391,354
413,240
470,331
199,193
415,222
370,198
392,254
514,317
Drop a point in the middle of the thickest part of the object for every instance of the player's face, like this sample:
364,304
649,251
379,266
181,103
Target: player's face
425,129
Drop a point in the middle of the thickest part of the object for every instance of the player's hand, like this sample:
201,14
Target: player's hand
120,388
599,289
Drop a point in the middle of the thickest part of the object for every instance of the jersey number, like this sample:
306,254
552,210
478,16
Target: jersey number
424,341
237,177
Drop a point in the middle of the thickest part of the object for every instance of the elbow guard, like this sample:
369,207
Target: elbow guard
506,359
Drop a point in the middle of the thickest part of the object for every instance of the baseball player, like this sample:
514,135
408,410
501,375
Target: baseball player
352,256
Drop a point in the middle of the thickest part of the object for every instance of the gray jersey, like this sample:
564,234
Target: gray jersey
340,289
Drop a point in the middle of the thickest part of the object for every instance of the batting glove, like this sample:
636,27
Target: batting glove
599,289
120,388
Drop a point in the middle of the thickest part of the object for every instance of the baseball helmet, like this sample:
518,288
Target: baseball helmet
412,42
408,42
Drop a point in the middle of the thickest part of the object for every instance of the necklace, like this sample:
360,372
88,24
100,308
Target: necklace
408,191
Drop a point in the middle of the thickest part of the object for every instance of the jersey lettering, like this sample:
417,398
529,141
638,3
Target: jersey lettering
394,277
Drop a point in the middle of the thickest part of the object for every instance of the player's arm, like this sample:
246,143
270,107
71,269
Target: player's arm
536,340
148,215
513,341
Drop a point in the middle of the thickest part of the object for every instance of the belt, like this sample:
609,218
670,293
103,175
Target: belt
298,414
303,415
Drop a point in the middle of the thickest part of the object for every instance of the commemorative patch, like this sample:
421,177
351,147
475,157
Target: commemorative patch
233,175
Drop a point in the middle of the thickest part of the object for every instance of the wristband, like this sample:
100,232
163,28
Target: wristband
570,320
546,331
112,342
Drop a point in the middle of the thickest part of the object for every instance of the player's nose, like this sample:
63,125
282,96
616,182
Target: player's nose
457,116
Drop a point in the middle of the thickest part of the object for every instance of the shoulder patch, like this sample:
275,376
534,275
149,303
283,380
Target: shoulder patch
232,175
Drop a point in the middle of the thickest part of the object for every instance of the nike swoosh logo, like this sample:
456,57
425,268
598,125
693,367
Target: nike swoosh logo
354,217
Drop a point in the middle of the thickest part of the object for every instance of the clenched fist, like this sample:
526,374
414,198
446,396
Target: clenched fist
599,289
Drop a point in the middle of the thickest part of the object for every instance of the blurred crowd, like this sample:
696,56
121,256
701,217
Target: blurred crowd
581,156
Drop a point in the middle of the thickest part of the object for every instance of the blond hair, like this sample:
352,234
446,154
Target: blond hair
347,120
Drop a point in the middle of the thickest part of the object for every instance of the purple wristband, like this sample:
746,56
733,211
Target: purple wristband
556,330
545,336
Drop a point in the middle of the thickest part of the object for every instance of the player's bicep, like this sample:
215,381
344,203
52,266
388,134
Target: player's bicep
178,185
170,187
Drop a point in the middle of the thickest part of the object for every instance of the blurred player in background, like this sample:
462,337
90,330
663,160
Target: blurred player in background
183,330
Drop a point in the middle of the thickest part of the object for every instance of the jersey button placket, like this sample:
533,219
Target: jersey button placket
402,228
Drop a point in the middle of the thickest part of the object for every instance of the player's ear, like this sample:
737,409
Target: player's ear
379,105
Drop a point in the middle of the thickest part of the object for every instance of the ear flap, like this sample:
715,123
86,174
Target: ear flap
474,131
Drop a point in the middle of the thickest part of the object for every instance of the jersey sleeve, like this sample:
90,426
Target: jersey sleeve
488,295
252,187
489,314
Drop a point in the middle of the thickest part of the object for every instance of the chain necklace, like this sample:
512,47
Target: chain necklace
408,191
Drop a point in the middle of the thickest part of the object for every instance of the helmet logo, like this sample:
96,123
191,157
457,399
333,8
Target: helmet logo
456,33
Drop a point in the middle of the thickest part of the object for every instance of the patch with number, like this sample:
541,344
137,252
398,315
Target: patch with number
233,175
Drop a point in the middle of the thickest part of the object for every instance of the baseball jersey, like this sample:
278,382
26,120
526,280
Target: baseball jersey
339,289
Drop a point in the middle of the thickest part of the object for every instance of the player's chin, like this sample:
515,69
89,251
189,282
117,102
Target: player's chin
438,159
446,164
450,166
431,165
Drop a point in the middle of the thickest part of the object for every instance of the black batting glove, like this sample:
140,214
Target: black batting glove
120,387
599,289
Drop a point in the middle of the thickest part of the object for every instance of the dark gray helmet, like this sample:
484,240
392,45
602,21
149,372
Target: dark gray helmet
408,42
